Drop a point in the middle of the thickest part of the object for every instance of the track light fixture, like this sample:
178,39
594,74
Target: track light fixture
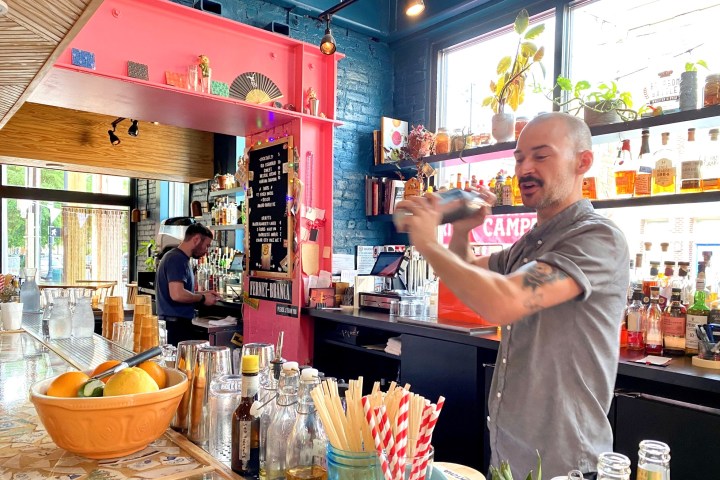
327,44
133,131
414,8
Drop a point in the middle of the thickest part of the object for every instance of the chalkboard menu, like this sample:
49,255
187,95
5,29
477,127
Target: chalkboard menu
270,228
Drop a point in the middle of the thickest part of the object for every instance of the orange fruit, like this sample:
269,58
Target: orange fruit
156,372
130,381
105,366
67,384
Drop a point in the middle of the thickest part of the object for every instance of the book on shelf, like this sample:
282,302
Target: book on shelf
382,194
377,147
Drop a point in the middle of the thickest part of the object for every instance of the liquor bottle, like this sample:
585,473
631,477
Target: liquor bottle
643,177
697,314
652,318
507,194
665,283
663,175
625,172
589,188
650,281
283,422
246,426
635,331
516,196
613,466
458,182
686,285
711,163
674,318
711,280
307,452
499,182
473,181
653,461
691,166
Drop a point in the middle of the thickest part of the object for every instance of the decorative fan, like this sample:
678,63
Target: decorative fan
254,87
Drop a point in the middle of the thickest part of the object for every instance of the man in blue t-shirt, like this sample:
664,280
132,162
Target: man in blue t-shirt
175,282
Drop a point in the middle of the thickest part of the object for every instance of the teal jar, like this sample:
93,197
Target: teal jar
344,465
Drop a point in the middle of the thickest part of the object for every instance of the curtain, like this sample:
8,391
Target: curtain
93,240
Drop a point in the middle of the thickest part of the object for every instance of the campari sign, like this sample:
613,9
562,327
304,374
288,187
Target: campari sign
497,229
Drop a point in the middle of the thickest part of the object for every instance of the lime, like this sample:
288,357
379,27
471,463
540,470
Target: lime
93,388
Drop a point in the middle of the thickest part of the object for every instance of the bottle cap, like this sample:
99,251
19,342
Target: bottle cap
676,290
654,289
291,366
309,374
669,262
250,364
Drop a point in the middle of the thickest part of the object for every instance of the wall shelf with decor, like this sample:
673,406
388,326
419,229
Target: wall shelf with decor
707,117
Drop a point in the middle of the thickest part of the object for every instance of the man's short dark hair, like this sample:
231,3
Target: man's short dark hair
197,229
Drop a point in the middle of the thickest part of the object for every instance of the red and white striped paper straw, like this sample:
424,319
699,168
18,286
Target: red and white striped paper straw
376,438
401,431
427,438
419,445
387,438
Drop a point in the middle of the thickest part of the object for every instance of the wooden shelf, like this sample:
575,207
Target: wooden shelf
228,191
358,348
226,227
404,169
707,117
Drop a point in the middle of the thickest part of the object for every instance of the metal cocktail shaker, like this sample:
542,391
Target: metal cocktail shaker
454,204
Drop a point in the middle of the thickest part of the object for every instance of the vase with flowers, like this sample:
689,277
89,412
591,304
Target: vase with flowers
509,87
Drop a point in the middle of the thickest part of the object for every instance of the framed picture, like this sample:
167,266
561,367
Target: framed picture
322,295
393,135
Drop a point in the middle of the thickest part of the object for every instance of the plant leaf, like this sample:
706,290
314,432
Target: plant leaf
539,466
702,62
528,49
487,101
535,32
564,83
521,21
493,86
504,65
539,54
690,67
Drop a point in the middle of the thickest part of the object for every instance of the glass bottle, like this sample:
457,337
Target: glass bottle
625,172
686,286
697,314
653,461
442,141
458,182
83,318
246,426
589,189
268,403
664,175
307,452
30,292
613,466
643,177
650,281
499,182
281,426
516,196
711,163
673,323
691,166
665,283
507,193
635,331
652,319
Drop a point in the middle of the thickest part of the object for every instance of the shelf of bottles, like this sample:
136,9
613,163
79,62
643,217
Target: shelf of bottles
212,272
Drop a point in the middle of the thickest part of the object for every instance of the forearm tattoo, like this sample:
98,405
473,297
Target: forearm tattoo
536,276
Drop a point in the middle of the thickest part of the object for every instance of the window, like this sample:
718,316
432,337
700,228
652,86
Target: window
466,70
67,237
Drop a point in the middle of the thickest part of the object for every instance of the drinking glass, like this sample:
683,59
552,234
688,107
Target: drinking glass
225,394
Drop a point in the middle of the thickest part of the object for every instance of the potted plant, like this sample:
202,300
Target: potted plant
509,88
148,248
689,84
602,104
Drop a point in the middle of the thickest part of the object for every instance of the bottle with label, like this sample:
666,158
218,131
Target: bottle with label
650,281
307,452
643,177
697,314
516,196
499,182
653,461
458,182
625,172
665,283
281,426
674,318
246,426
652,318
686,286
635,331
711,163
507,193
663,175
691,166
589,188
442,141
613,466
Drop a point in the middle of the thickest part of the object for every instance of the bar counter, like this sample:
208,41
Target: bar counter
27,452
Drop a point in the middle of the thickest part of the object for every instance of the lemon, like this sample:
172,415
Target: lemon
129,381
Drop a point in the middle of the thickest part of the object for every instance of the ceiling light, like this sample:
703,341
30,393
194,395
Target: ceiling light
133,131
113,138
327,44
414,7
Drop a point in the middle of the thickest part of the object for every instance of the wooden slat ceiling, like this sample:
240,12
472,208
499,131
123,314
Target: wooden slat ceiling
32,35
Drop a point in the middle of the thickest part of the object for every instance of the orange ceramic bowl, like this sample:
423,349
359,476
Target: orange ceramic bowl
108,427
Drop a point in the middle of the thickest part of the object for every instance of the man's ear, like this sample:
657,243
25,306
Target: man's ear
586,158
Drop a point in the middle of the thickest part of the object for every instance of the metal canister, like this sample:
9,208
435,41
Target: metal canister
455,204
210,363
